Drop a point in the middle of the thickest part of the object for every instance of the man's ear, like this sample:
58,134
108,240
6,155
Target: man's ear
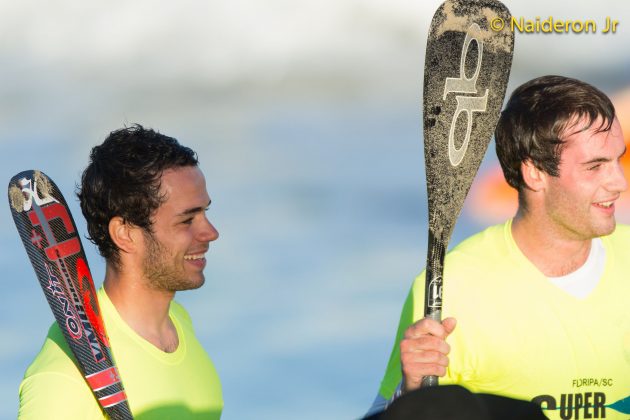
124,234
534,178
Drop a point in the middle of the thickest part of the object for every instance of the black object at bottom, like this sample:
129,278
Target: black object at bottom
453,402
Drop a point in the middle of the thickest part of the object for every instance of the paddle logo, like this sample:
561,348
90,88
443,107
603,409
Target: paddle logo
55,287
435,293
466,104
30,193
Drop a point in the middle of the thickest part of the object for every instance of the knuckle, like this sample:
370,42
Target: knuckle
432,342
424,323
405,345
432,356
409,332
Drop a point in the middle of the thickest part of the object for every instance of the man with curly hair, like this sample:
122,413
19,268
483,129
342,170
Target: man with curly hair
144,199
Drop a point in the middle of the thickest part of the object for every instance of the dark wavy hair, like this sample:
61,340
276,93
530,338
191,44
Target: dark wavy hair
538,114
123,179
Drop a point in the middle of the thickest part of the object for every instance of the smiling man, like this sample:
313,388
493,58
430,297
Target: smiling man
145,200
541,301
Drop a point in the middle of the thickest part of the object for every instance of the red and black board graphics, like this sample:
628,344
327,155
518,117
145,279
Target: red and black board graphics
51,240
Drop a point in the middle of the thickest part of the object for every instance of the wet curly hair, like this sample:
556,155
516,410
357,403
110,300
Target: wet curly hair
123,179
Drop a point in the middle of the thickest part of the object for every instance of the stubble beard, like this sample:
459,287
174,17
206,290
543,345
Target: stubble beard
582,223
161,271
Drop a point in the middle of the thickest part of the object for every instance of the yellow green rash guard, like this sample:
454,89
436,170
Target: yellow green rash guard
179,385
520,336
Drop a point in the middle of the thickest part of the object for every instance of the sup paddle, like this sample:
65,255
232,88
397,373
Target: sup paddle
51,239
467,66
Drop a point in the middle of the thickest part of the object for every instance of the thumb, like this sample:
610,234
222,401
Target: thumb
449,325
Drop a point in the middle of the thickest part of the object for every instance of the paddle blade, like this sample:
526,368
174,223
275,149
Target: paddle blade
52,242
466,74
467,66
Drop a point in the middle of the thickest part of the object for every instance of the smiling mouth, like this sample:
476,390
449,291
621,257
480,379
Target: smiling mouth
605,204
194,257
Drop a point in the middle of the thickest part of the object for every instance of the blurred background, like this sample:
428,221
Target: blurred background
306,118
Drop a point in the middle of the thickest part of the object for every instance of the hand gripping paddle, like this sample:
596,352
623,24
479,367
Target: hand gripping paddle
467,66
52,243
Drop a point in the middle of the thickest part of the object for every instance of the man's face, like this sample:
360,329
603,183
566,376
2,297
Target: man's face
175,251
581,200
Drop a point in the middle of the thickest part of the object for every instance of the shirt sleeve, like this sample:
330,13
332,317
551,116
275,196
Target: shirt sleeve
51,395
380,403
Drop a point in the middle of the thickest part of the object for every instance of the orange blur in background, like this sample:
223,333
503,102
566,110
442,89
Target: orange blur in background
492,200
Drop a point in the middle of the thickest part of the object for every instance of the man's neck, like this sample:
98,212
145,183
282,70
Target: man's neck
552,251
144,309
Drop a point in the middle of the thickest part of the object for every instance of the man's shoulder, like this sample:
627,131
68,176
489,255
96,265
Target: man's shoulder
53,384
55,356
487,243
477,252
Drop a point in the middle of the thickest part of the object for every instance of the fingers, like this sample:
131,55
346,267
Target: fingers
422,363
424,343
432,327
417,365
432,364
424,350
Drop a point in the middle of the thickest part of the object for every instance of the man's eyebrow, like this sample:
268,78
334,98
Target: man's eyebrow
597,160
194,210
604,159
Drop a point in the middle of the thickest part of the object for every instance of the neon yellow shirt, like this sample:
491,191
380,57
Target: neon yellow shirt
179,385
520,336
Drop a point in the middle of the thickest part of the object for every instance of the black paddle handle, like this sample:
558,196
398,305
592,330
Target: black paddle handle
433,287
